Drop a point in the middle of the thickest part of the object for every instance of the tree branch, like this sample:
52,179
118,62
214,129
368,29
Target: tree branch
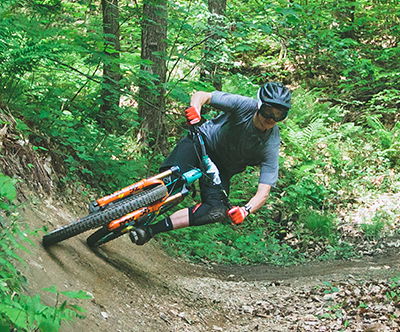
75,70
188,50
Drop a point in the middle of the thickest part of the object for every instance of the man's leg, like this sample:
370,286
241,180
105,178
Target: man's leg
212,210
179,219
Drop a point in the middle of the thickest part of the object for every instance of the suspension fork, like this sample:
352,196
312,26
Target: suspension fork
133,188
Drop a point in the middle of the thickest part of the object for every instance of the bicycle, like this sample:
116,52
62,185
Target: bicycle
140,203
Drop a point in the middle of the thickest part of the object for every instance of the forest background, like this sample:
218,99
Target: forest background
99,89
95,91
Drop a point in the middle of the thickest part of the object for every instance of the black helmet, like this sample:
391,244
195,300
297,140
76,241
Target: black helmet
274,94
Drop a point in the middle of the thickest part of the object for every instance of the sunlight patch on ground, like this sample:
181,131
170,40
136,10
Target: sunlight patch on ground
384,208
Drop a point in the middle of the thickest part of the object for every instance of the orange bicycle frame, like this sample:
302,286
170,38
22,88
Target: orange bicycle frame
135,215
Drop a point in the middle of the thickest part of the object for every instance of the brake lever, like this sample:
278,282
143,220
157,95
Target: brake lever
193,189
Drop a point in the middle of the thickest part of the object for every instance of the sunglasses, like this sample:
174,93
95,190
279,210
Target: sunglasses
275,114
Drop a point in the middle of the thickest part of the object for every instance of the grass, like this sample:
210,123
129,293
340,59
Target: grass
320,224
375,229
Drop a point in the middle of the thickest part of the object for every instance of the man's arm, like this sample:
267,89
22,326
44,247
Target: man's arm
199,99
237,214
260,197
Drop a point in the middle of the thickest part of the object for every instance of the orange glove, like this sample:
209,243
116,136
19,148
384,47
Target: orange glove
192,115
237,214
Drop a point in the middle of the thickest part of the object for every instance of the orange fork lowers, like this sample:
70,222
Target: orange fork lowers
135,215
133,188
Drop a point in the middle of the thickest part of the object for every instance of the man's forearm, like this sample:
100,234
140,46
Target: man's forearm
199,99
260,197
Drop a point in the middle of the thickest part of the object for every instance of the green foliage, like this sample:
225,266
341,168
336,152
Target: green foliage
320,224
7,192
388,141
344,53
393,293
375,228
19,312
50,62
345,46
331,289
240,84
338,250
302,196
224,244
25,313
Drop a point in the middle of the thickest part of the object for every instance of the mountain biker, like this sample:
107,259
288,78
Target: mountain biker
245,134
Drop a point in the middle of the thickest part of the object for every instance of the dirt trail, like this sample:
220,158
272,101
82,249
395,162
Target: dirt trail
142,289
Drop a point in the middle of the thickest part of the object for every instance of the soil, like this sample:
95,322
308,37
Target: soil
140,288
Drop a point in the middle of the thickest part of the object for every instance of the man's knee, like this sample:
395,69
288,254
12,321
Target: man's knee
206,214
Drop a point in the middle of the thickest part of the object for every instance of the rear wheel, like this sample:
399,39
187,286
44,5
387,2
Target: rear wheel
104,235
97,219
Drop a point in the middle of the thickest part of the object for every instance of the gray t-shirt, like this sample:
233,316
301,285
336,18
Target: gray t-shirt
236,142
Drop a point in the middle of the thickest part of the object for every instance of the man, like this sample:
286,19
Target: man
245,134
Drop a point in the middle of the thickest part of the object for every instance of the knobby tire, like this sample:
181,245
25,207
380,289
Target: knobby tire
98,219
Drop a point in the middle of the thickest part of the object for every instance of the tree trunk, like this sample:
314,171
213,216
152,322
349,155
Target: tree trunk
209,72
111,69
154,69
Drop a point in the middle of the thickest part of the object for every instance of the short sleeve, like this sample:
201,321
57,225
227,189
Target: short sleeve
270,165
228,102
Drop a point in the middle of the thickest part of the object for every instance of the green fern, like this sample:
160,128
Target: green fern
303,141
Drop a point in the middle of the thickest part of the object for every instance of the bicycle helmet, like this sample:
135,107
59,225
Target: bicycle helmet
274,94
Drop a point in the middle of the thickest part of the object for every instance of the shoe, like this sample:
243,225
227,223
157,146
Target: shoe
140,236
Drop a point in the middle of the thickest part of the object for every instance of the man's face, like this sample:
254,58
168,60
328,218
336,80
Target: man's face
266,119
262,123
269,112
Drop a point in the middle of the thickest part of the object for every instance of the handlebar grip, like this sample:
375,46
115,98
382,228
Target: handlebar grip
192,115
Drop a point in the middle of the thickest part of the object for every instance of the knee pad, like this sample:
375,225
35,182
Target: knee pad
203,214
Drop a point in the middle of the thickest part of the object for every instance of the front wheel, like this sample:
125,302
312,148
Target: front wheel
97,219
103,235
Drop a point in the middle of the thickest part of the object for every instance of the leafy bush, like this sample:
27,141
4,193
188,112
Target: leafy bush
19,312
304,195
393,293
228,245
